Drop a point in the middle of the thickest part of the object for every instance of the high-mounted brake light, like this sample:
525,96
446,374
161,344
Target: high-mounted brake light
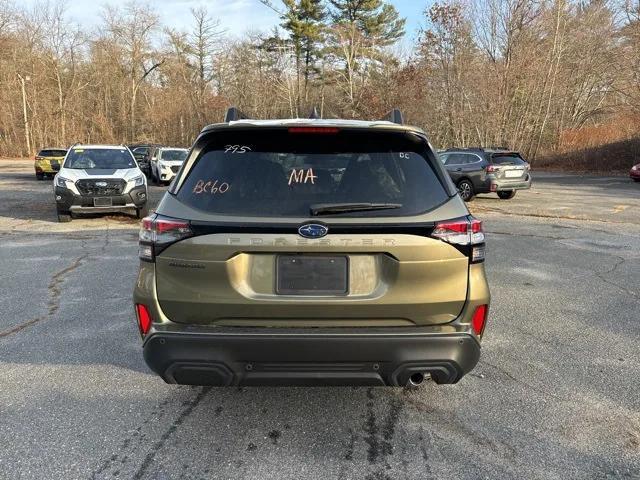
464,233
479,319
158,232
318,130
144,318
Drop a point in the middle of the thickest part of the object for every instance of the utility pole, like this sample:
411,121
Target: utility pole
27,135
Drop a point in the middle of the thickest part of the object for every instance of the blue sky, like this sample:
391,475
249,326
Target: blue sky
237,16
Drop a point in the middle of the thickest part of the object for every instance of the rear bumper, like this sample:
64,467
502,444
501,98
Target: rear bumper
497,185
226,357
47,168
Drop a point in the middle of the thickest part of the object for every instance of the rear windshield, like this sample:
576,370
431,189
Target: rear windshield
173,155
52,153
99,158
274,172
507,159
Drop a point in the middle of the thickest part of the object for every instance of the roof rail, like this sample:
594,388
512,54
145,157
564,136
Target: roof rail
234,114
314,114
394,116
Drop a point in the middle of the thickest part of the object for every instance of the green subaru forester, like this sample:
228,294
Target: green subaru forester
311,252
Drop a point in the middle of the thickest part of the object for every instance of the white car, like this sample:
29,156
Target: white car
100,179
166,163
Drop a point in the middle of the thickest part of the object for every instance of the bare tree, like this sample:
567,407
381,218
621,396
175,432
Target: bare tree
132,30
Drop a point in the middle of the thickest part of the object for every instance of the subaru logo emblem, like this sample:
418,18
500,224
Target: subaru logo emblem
101,184
312,230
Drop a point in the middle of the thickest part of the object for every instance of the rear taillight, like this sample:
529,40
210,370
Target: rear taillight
479,319
465,233
158,232
144,318
491,168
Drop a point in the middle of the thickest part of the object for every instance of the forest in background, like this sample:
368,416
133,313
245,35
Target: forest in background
558,80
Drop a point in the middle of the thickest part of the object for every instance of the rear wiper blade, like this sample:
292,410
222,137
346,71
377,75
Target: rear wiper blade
328,208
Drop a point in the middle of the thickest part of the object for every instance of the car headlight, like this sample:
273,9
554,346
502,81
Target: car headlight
138,181
635,167
62,182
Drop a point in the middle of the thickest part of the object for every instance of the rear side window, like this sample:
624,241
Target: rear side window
461,159
52,153
275,172
507,159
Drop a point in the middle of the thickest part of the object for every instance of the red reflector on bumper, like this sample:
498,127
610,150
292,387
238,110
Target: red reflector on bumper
144,318
479,319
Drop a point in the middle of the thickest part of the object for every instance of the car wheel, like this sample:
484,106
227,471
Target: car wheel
64,217
507,194
40,176
142,212
636,179
465,188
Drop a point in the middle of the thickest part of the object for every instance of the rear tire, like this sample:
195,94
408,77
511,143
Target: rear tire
64,217
465,189
40,176
142,212
507,194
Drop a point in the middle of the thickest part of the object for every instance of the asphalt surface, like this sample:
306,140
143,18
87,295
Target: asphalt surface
556,394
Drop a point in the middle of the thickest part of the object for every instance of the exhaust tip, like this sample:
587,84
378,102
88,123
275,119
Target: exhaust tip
416,379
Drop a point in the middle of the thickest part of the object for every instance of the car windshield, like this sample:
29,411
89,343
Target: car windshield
277,172
52,153
99,158
507,159
177,155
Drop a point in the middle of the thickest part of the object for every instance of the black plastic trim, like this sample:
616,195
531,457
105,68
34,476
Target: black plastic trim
308,358
206,228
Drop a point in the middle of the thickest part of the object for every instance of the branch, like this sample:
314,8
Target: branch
153,67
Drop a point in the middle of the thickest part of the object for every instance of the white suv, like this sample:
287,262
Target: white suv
100,179
166,163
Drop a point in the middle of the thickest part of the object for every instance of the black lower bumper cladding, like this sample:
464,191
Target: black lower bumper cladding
65,199
228,359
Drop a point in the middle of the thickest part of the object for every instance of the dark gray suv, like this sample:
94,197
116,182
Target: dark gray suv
485,170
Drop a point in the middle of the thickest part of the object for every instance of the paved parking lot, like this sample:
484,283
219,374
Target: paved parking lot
556,394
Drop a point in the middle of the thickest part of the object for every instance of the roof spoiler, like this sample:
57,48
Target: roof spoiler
394,116
234,114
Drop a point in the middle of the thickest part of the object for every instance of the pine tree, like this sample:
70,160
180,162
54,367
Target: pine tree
360,31
304,20
378,21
